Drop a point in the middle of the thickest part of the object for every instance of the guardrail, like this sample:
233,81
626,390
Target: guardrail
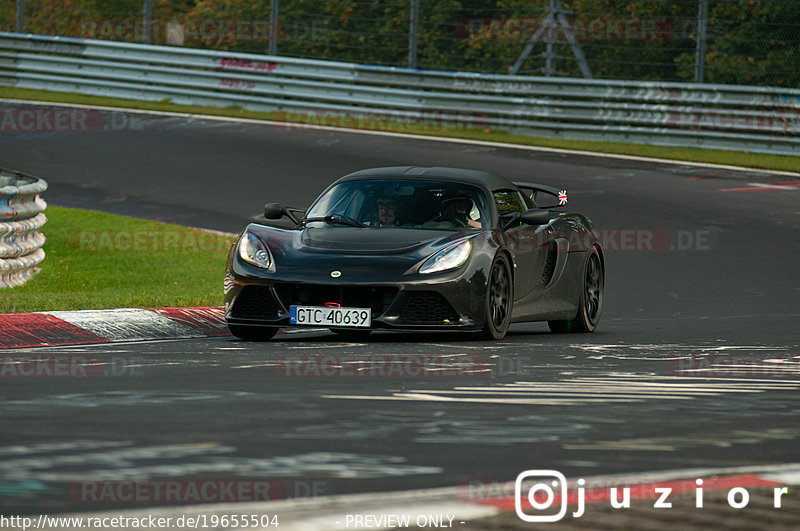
758,119
21,217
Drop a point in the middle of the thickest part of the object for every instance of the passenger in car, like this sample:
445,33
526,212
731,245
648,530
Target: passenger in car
459,210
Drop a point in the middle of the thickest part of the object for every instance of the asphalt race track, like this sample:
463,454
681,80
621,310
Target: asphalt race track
700,270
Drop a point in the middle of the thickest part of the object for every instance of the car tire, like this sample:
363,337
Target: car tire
253,333
499,299
591,302
351,335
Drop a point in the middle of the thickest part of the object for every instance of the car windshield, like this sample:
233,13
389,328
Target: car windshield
414,204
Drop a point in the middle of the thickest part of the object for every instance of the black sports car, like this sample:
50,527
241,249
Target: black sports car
412,248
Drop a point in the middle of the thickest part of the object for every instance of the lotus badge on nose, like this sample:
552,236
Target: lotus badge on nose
336,274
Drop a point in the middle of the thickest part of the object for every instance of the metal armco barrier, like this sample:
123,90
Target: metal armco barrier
21,217
758,119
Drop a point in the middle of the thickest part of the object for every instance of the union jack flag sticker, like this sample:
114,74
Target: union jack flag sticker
562,197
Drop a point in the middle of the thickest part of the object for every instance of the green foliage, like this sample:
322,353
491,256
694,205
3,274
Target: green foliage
96,260
754,43
8,15
749,41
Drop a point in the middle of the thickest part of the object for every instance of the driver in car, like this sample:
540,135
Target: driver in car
387,212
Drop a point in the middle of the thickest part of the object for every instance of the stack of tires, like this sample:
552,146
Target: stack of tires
21,217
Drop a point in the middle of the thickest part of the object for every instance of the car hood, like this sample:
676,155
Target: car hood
368,251
384,240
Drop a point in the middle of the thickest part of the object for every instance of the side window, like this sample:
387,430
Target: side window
509,201
529,196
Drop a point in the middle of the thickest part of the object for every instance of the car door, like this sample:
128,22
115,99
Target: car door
527,243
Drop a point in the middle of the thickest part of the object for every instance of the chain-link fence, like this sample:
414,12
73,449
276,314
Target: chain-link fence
748,42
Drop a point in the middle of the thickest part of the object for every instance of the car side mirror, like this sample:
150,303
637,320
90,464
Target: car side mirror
274,211
277,211
535,216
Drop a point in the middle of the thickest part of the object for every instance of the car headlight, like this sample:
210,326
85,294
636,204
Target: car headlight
253,251
448,258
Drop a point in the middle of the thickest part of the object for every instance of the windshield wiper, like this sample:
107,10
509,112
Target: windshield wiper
333,219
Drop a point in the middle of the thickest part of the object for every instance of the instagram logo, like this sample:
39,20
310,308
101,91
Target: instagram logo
535,493
536,488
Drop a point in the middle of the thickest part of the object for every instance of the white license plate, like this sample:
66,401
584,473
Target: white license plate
325,316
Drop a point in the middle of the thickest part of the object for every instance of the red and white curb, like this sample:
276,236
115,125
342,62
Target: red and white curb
49,329
765,187
471,500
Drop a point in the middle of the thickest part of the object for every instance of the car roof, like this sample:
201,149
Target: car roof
459,175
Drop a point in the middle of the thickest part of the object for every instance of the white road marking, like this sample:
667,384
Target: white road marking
790,477
586,390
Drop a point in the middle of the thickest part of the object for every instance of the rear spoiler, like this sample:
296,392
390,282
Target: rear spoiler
533,188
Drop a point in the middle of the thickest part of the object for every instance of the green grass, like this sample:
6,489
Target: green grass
96,260
736,158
